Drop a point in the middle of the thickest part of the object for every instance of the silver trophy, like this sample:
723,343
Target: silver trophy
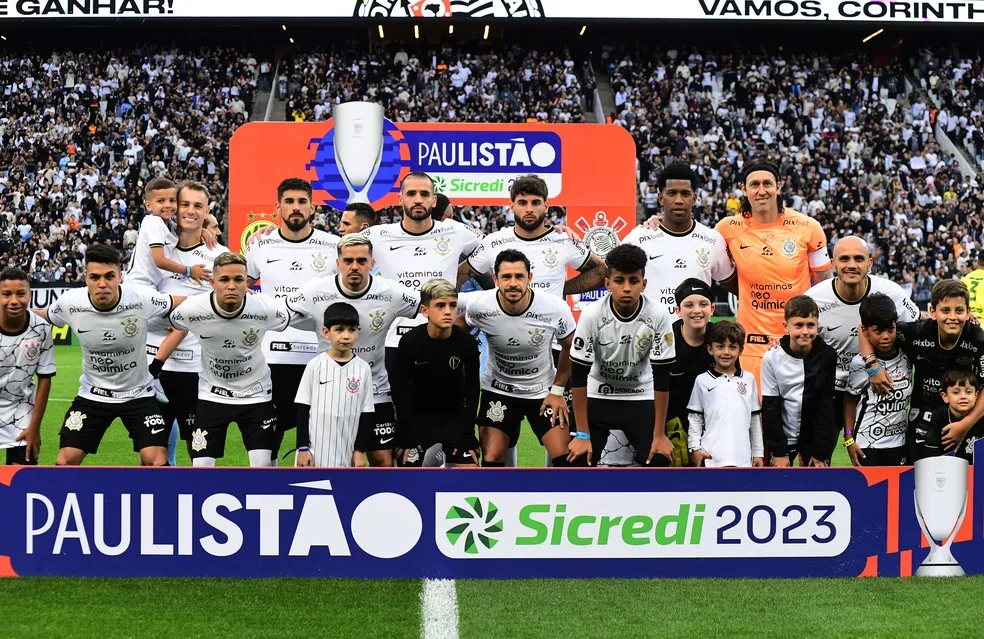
358,146
941,503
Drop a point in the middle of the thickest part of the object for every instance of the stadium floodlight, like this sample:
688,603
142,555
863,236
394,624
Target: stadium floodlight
450,28
486,36
583,29
284,27
381,34
872,36
416,32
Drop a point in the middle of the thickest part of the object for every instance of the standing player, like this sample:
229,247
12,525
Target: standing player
234,385
680,247
776,251
520,381
335,400
379,302
111,323
623,349
839,301
975,285
281,261
26,351
179,373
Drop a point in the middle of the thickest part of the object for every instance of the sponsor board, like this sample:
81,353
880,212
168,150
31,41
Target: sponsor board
501,524
788,10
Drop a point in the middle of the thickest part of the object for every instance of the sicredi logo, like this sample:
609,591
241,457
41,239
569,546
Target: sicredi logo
642,525
474,163
303,522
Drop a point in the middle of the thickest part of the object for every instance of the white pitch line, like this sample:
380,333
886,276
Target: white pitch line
439,609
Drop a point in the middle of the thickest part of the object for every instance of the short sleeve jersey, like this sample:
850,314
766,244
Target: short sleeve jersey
282,266
975,284
22,356
622,351
234,370
153,232
520,357
700,253
880,421
550,254
775,262
114,341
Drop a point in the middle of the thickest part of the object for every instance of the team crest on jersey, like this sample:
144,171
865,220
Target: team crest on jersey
454,362
130,328
377,320
742,387
31,352
442,245
75,420
496,412
198,441
251,337
537,336
668,338
319,262
703,258
788,247
550,258
644,342
353,384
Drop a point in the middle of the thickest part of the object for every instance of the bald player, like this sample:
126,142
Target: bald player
839,300
778,252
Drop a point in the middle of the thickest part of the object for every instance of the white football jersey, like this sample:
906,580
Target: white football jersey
22,356
282,266
621,352
881,421
114,342
379,307
234,370
412,259
700,253
154,231
839,320
549,254
338,394
187,357
520,357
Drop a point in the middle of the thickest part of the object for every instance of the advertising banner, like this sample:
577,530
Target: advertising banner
498,524
944,11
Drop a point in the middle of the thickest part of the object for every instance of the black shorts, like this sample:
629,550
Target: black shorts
286,379
381,435
634,418
257,423
181,390
506,413
463,457
17,456
883,456
86,421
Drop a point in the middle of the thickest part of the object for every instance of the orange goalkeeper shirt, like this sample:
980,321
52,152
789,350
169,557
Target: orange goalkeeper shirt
775,262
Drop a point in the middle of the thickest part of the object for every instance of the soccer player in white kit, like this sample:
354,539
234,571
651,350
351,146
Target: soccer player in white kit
282,261
335,397
179,373
623,348
379,303
111,323
26,351
234,385
520,380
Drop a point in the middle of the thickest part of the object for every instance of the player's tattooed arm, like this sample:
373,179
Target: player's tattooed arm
591,277
820,276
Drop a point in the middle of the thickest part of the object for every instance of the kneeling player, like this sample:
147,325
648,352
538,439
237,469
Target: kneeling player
435,383
234,385
334,399
520,381
623,347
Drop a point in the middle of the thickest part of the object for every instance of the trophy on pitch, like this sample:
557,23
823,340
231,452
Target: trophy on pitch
358,146
941,503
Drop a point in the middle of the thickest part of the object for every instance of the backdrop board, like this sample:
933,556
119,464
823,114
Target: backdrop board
497,524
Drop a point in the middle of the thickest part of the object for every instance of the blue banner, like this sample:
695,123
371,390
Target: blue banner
521,523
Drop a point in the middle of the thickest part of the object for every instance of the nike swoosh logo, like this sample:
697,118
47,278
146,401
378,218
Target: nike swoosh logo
327,382
385,441
88,331
154,431
672,374
605,343
206,337
276,260
394,248
420,363
745,246
655,257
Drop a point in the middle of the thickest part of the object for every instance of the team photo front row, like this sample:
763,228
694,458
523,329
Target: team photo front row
675,387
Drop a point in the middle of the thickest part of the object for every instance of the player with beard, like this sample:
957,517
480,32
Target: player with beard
281,261
840,300
379,302
179,373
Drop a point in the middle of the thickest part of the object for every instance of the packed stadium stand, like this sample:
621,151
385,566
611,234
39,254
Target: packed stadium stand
83,129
